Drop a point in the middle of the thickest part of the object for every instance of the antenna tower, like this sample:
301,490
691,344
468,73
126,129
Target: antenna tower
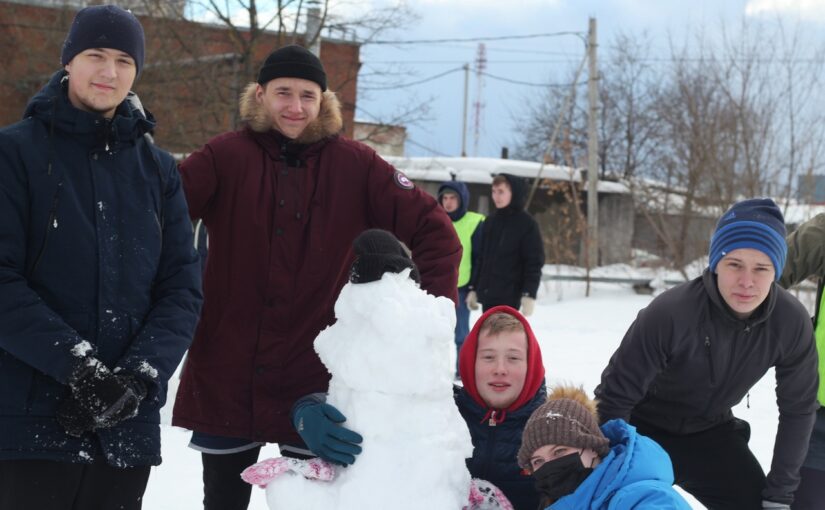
478,105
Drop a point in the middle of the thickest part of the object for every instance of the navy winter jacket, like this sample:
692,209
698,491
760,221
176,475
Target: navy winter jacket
95,252
495,448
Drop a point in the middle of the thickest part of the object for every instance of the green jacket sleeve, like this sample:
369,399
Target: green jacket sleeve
806,252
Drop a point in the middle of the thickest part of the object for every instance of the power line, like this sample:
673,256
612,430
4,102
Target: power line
476,39
438,62
517,82
411,84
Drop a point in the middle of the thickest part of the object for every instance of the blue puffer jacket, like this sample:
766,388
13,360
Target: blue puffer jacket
636,474
95,249
495,448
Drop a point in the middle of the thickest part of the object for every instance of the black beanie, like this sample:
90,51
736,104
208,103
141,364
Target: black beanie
378,252
293,62
105,26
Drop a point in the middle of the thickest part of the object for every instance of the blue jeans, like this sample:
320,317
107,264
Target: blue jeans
462,322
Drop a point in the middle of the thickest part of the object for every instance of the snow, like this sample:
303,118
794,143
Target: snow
577,335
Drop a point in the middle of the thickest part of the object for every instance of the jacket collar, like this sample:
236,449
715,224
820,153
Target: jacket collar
758,316
52,106
327,124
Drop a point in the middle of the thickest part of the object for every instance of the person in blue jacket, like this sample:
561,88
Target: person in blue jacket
576,465
99,280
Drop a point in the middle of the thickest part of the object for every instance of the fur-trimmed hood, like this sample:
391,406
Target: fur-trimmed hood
328,123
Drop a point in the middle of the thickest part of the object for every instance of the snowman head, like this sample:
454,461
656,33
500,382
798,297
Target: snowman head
377,252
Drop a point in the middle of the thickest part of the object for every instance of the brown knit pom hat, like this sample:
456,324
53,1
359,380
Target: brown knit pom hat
568,418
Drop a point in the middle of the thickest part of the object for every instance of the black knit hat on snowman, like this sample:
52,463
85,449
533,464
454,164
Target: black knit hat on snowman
568,418
293,61
377,252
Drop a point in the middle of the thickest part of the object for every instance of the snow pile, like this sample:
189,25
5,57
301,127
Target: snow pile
389,354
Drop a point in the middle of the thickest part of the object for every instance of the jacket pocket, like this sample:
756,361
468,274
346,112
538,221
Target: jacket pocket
51,223
15,385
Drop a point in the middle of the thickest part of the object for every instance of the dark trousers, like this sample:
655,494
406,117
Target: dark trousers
462,322
50,485
223,488
513,304
715,466
809,495
811,492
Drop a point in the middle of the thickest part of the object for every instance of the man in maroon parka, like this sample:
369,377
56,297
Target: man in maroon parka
282,199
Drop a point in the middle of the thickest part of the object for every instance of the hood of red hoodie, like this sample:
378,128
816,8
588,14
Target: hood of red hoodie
535,365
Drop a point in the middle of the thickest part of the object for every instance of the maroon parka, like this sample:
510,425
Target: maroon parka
280,248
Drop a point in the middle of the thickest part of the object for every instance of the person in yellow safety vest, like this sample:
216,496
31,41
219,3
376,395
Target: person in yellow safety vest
454,197
806,258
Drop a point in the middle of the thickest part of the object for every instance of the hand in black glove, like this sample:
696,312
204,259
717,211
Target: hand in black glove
99,398
320,427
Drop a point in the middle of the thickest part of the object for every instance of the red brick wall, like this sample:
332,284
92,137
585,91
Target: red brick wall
192,96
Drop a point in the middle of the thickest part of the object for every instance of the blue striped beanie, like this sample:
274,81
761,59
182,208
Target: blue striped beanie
755,223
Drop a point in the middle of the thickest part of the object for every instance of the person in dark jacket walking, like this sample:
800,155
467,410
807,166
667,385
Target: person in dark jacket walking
502,373
454,197
99,281
578,466
283,198
806,258
512,252
696,351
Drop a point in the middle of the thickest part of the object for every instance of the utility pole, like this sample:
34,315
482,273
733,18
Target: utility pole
481,66
313,31
464,118
592,150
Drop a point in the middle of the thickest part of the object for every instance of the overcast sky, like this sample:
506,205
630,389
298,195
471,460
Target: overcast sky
540,60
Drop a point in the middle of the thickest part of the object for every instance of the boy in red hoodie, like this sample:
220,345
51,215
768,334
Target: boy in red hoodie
503,376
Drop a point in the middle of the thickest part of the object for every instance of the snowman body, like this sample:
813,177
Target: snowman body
390,361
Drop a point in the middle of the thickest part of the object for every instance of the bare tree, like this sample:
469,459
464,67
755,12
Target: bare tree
714,121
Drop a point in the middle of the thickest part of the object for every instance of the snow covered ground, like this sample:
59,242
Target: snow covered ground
577,336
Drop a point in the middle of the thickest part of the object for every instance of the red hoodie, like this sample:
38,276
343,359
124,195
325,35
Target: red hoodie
467,364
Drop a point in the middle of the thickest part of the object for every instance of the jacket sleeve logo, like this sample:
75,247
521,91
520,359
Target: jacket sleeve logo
402,181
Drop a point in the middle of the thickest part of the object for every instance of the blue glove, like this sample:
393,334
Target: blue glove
318,425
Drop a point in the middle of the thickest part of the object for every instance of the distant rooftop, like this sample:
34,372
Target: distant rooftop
482,170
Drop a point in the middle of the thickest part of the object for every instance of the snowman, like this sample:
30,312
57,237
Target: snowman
389,356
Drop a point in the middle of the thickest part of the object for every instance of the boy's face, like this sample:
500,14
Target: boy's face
450,202
501,367
502,195
744,278
100,79
551,452
292,104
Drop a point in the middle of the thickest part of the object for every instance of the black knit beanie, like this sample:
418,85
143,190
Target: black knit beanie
293,62
378,252
105,26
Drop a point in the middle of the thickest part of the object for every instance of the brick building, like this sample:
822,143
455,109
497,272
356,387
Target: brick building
193,75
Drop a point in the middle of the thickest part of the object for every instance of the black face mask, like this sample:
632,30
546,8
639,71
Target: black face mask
560,477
